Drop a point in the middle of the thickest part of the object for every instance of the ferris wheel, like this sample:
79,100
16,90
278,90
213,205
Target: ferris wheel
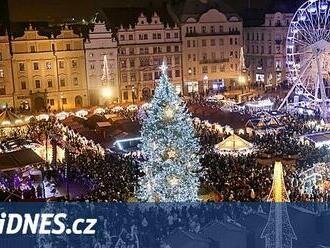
308,56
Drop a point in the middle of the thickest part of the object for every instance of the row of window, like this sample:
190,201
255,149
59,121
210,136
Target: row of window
147,61
155,36
213,69
148,76
48,65
211,29
33,48
212,42
232,54
255,49
146,50
37,83
255,36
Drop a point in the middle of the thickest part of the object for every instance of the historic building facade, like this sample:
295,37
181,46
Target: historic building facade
6,85
49,73
101,65
211,46
265,49
141,50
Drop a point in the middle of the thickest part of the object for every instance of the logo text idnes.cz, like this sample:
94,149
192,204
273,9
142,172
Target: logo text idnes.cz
45,223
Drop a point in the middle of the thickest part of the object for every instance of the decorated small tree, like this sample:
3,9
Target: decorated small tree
170,171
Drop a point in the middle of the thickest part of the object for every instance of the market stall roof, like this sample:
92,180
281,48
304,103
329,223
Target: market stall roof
18,159
9,119
234,143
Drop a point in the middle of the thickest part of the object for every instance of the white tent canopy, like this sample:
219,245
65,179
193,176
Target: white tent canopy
234,144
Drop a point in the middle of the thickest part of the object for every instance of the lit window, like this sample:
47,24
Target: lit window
1,73
35,66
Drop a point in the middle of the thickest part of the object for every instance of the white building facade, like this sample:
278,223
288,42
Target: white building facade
211,48
141,50
101,65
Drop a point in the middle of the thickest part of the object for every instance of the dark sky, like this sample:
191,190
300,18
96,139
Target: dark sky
55,10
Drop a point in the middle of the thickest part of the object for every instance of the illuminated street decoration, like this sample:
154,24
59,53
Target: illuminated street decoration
307,58
169,146
278,232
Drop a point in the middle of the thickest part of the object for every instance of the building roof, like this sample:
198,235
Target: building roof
195,8
117,16
234,143
19,159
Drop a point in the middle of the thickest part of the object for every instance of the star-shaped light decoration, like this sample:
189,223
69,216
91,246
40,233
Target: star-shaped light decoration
163,68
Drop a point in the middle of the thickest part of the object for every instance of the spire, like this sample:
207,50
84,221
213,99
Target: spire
278,191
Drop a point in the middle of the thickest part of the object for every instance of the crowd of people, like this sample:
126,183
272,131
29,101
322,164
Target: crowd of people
112,177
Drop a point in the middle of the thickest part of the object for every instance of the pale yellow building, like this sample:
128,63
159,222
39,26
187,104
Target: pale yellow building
211,46
6,85
49,73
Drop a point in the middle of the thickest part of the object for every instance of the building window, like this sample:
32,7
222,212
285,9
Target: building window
168,49
2,90
145,36
64,101
2,73
125,95
122,37
213,68
62,82
133,77
221,43
212,42
38,85
50,83
204,69
177,73
75,81
124,78
176,35
231,41
48,65
51,102
154,36
21,67
188,43
35,66
130,37
159,36
68,47
168,35
203,43
92,66
1,56
61,64
176,49
32,49
23,85
177,60
74,63
221,29
203,29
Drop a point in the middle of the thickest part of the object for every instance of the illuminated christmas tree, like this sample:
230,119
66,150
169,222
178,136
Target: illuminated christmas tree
170,148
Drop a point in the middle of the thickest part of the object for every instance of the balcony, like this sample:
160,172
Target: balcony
214,61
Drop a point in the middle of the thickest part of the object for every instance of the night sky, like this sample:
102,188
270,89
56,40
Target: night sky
60,11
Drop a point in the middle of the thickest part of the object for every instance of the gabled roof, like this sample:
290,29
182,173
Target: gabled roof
234,143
